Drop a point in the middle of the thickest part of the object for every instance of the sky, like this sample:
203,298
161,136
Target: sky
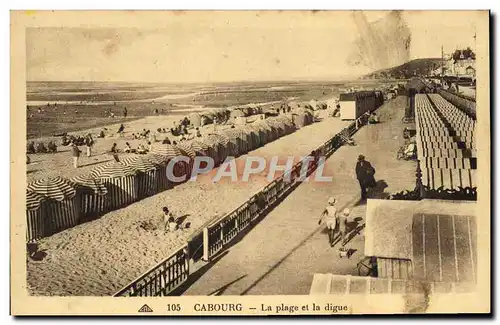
221,47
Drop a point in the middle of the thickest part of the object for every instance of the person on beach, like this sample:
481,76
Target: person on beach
101,134
121,129
114,152
342,225
40,148
329,216
128,148
365,175
169,222
125,112
75,152
51,146
373,119
30,148
89,143
198,133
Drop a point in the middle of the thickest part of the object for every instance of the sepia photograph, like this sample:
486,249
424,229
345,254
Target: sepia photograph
195,154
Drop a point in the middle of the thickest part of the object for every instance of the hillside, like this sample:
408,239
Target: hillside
407,70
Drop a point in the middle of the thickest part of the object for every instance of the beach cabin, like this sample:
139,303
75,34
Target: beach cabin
355,104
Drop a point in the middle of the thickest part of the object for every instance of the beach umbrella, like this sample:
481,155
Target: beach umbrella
167,150
113,170
89,183
186,149
200,148
157,159
147,178
55,188
61,206
140,163
121,182
91,195
35,216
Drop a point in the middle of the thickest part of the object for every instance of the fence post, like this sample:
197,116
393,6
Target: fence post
206,257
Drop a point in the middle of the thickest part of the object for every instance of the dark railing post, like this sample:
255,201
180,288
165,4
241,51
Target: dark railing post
419,186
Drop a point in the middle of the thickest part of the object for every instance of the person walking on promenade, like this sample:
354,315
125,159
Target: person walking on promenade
75,152
365,175
342,224
329,216
89,142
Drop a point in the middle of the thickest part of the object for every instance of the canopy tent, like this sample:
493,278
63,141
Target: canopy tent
36,216
195,119
171,152
253,137
62,204
147,178
121,182
91,192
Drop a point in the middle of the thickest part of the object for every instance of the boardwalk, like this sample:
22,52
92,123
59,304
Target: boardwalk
280,255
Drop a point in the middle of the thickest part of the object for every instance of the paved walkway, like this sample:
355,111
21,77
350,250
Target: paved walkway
281,253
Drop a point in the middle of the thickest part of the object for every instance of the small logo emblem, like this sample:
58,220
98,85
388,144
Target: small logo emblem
145,309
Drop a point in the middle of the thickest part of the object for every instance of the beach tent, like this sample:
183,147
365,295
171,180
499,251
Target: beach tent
206,119
169,151
287,122
278,125
36,216
147,177
239,141
255,136
226,147
261,132
195,119
235,113
187,150
300,120
91,193
216,149
121,182
62,204
161,162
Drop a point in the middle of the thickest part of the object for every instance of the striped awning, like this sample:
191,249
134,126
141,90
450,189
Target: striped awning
156,159
56,188
113,170
167,150
186,149
200,147
91,183
34,200
220,138
139,163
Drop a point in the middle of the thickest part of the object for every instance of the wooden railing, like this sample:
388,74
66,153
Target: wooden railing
162,279
216,234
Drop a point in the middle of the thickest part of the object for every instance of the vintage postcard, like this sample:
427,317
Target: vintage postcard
250,162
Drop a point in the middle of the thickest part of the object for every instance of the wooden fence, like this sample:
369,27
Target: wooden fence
217,234
162,279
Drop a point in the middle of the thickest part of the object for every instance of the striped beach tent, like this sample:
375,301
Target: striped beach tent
187,151
278,126
36,217
253,137
121,182
147,177
62,204
170,151
91,193
214,150
262,132
235,141
163,183
225,146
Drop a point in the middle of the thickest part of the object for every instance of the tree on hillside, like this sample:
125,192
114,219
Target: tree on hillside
463,54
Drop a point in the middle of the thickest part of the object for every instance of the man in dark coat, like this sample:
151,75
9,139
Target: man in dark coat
365,175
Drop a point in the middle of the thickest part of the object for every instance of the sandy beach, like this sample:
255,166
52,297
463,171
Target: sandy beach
101,256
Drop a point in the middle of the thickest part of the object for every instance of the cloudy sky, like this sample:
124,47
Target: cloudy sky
227,46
